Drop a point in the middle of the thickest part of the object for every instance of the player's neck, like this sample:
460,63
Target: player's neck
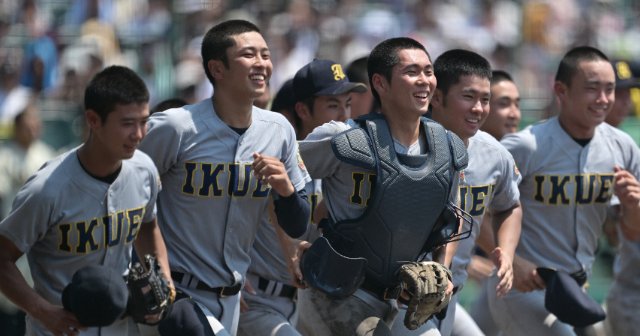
95,162
404,130
233,112
575,130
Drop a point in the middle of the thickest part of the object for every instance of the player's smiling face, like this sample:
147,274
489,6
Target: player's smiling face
412,83
504,116
589,98
120,135
465,107
249,64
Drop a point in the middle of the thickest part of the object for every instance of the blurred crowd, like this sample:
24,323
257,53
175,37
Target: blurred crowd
50,48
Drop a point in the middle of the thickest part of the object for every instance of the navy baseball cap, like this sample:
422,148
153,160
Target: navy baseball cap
323,78
97,295
566,299
627,74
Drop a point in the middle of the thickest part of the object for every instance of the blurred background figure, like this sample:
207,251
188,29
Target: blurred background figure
627,78
284,102
505,113
361,102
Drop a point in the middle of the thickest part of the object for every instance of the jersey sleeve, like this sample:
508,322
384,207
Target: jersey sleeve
293,161
521,145
162,142
316,150
156,186
30,217
506,194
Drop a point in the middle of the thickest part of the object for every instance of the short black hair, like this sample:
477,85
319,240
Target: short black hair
357,70
114,85
168,104
569,64
384,57
219,38
498,76
455,63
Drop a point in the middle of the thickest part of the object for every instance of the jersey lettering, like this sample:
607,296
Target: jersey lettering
474,199
359,179
206,178
110,228
573,189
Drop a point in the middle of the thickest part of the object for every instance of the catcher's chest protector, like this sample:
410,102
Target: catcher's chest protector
409,194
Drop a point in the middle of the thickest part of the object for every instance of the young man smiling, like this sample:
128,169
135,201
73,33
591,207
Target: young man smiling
222,160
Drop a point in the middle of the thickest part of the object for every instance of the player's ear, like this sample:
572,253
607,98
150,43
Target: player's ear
379,83
93,119
215,68
437,101
560,89
302,111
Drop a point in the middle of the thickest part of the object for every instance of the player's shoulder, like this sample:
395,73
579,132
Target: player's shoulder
485,139
141,159
330,129
611,132
179,119
53,175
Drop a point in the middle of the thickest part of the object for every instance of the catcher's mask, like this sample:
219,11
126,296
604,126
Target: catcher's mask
447,226
97,295
325,269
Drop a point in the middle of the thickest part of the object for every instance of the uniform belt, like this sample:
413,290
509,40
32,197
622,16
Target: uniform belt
381,292
285,291
220,291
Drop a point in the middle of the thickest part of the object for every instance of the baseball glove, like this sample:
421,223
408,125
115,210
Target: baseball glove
425,282
149,291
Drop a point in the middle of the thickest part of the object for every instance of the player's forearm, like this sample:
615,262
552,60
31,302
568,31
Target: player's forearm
293,213
630,223
508,225
486,237
150,241
13,284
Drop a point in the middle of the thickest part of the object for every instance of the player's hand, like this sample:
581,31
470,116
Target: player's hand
270,170
248,288
480,268
504,263
626,187
525,276
294,264
59,321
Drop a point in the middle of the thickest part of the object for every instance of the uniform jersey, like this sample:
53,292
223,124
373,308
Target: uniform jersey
267,258
565,190
212,203
64,219
489,183
346,188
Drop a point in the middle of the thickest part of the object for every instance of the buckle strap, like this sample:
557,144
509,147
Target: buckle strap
220,291
285,290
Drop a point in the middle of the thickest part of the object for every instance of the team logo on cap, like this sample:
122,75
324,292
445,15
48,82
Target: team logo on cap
338,74
624,72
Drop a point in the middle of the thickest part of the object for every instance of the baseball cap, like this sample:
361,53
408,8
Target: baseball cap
566,299
97,295
627,74
323,78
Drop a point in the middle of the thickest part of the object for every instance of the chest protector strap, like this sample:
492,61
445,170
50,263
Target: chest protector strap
408,196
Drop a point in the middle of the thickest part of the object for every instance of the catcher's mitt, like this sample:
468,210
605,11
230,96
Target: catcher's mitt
149,291
426,283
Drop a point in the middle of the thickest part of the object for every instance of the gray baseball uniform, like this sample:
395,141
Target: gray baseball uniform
272,309
490,181
565,191
64,219
623,300
346,190
213,204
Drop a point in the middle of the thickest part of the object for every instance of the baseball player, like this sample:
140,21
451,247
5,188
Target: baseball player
401,75
490,181
624,294
504,118
221,161
321,93
85,207
571,165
